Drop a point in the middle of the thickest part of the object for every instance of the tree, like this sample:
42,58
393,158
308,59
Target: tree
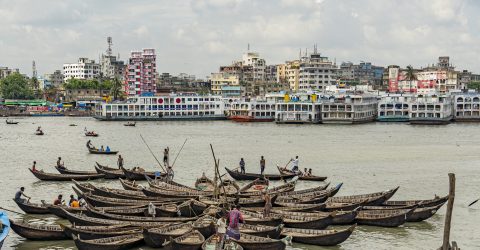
15,86
410,75
116,89
473,85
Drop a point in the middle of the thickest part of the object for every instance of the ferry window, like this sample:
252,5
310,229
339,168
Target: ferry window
195,113
109,108
195,106
172,106
184,106
189,99
195,99
189,106
142,114
200,99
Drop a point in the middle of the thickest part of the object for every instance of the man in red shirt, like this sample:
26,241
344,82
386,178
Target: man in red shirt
58,201
234,218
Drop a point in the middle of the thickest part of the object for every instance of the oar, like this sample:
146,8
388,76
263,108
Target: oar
153,154
179,152
475,201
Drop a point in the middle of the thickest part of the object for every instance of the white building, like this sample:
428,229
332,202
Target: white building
222,80
253,59
83,69
316,72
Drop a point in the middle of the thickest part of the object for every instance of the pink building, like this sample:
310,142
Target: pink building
140,73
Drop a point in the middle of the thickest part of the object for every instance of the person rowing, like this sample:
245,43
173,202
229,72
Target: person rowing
242,166
60,164
89,144
295,164
166,153
120,162
19,194
108,149
59,200
262,165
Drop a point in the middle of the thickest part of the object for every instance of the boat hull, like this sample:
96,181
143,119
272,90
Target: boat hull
244,118
152,118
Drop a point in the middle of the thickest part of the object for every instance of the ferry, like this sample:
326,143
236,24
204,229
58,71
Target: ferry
163,108
299,109
394,108
349,109
252,111
467,107
431,109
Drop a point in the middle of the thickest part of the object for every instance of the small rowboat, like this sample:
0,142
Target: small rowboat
110,173
317,222
257,219
99,214
39,132
32,208
99,152
130,124
65,170
214,242
11,122
302,177
38,232
251,242
372,199
204,184
189,241
261,230
129,185
5,227
58,210
64,177
338,217
383,218
318,237
138,175
98,232
423,213
420,203
91,134
112,243
205,225
155,237
235,174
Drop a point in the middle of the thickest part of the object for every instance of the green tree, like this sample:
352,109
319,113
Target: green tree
116,89
15,86
473,85
410,75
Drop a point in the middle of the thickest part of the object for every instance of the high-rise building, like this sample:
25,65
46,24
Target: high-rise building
55,78
316,72
83,69
111,66
5,71
258,65
292,71
140,74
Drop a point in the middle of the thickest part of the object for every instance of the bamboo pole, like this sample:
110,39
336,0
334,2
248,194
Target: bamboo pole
448,217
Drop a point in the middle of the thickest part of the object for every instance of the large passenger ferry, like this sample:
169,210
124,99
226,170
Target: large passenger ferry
349,109
252,111
298,109
467,107
170,107
431,109
394,108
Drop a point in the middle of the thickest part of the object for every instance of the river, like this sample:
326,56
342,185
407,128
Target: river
366,158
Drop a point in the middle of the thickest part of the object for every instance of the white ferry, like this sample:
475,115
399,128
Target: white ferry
349,109
431,109
298,109
467,106
394,108
251,111
171,107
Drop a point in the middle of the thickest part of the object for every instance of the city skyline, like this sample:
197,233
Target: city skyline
197,37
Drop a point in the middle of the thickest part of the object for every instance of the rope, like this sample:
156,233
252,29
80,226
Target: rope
153,153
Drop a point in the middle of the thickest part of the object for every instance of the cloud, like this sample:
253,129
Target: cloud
197,36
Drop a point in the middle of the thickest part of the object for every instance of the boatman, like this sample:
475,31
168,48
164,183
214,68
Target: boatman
234,218
34,167
295,164
165,156
120,162
60,164
262,165
19,194
58,201
242,166
89,144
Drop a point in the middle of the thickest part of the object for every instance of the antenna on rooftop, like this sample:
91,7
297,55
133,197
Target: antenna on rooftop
248,47
109,42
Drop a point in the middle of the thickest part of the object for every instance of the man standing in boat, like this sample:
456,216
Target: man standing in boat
235,217
120,162
242,166
166,152
262,165
295,164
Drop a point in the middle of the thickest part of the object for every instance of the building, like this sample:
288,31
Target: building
83,69
292,70
362,73
219,82
282,73
140,74
111,66
5,71
258,65
271,73
86,97
316,72
55,79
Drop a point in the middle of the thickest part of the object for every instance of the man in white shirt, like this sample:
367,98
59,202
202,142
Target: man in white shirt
295,164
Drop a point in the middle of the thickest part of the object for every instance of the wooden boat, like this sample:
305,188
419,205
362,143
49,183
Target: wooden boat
156,237
290,208
99,152
251,242
39,132
32,208
387,207
84,187
191,208
216,243
420,203
316,222
423,213
91,134
74,172
338,218
154,192
318,237
130,124
302,177
305,191
189,241
110,173
255,186
137,175
130,185
58,210
100,214
261,230
372,199
63,177
310,197
383,218
5,229
228,187
102,201
38,232
170,185
111,243
215,211
204,183
11,122
205,225
120,193
278,190
235,174
354,204
258,219
98,232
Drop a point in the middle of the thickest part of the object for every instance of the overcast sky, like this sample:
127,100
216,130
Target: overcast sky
199,35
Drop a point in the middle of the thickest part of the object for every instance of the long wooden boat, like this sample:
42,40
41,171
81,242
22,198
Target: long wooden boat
251,242
310,197
11,122
258,219
156,237
338,218
101,214
302,177
119,193
101,152
420,203
217,243
372,199
63,177
257,185
154,192
261,230
290,207
383,218
109,172
111,243
204,183
316,222
215,211
98,232
128,211
189,241
305,191
137,175
32,208
102,201
387,207
58,210
278,190
235,174
423,213
192,208
74,172
84,187
205,225
37,231
319,237
130,185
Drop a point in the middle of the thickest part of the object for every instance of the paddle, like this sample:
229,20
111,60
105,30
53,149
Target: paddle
179,152
475,201
153,154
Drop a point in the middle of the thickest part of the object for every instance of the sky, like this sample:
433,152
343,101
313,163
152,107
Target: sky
197,36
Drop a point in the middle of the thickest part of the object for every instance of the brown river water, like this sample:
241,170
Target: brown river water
366,158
